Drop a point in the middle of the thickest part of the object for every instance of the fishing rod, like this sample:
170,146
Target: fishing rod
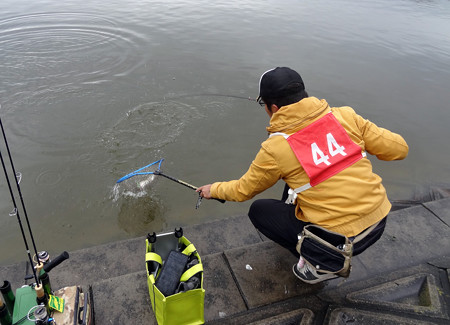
18,178
16,213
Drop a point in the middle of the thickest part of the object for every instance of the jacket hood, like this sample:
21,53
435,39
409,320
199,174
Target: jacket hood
291,118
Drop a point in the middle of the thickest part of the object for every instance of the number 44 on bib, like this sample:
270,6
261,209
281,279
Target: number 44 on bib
333,148
324,149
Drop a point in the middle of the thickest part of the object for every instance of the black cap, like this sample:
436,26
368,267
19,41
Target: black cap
280,82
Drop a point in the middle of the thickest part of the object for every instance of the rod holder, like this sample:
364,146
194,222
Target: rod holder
8,296
5,316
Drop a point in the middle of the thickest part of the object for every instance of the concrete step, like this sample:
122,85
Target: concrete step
237,295
253,283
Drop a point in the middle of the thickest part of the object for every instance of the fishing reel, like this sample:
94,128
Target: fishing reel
40,316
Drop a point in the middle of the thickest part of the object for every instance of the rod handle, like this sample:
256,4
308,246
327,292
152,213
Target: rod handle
56,261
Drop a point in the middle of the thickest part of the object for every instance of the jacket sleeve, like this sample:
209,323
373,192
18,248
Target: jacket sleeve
382,143
262,174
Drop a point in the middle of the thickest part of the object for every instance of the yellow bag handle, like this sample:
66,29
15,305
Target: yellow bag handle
191,272
189,249
153,257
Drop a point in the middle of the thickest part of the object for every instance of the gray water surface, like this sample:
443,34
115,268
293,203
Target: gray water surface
92,92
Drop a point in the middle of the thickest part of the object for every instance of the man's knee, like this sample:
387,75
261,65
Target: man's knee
255,208
261,209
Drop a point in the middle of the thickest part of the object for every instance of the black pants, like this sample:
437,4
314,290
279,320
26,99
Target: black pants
277,221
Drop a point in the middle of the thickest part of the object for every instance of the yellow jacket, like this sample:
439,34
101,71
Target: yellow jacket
348,202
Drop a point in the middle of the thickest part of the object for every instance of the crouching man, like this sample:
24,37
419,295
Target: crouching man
334,206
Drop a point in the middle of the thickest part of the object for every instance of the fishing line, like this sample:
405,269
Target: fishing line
212,95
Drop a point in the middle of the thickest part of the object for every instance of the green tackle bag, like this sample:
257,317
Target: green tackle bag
186,304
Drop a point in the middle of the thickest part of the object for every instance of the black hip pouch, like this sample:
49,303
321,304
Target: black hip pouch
325,250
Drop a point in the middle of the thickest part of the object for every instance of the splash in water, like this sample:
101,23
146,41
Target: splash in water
135,187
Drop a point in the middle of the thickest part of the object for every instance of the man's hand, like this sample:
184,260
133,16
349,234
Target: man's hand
205,191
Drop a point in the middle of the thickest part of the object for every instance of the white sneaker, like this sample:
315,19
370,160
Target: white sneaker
307,274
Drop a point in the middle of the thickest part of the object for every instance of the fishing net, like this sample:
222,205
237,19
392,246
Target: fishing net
137,183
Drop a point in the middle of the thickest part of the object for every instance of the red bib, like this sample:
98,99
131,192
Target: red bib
324,148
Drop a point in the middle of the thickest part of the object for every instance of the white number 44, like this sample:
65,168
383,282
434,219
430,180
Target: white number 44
333,149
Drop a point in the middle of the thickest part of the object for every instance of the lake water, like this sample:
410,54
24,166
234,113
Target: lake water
94,90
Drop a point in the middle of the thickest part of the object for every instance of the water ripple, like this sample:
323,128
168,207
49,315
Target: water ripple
49,178
149,126
81,47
